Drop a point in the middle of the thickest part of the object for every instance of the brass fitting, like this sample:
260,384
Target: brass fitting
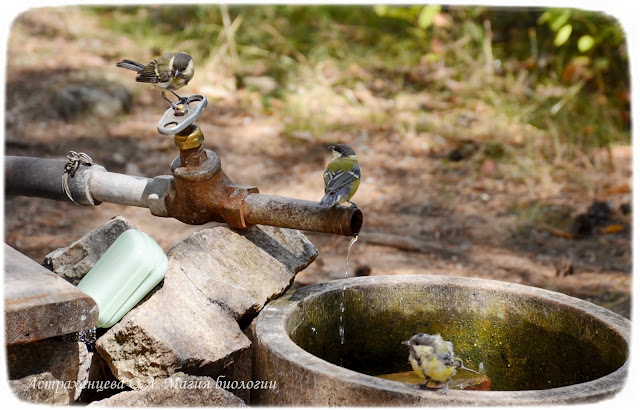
203,192
189,138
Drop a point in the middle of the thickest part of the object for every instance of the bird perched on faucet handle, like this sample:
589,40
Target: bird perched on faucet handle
170,72
432,358
342,176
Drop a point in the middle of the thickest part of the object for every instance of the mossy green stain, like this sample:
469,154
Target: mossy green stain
524,343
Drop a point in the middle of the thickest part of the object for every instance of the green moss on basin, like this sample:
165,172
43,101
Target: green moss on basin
525,341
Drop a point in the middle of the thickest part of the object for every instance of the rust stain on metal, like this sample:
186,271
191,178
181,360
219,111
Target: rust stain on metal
204,193
301,214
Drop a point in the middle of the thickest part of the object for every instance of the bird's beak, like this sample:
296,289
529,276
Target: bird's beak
176,73
406,342
332,147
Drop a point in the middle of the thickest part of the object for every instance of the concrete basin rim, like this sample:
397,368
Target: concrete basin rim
271,330
618,323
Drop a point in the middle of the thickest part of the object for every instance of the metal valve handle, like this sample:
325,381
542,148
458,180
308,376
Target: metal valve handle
183,114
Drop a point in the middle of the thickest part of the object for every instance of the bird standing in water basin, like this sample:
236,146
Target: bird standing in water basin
432,358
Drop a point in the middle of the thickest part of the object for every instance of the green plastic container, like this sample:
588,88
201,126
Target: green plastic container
132,266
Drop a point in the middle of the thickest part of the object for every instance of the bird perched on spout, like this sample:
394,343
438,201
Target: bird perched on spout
432,358
342,176
170,72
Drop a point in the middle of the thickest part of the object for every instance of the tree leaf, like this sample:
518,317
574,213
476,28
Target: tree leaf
563,35
585,43
544,17
381,9
428,12
559,20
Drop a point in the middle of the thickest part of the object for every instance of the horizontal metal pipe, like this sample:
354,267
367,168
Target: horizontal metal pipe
291,213
120,188
91,185
28,176
42,178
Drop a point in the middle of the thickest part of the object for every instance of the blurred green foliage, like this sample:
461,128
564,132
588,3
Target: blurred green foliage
567,64
383,31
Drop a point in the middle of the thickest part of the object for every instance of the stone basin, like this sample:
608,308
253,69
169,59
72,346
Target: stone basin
537,347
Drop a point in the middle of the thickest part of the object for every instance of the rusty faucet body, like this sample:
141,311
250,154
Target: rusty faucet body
203,192
198,192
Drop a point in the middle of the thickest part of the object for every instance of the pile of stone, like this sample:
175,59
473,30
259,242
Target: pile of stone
185,342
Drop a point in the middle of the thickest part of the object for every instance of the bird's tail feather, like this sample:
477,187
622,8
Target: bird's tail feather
130,65
328,200
336,196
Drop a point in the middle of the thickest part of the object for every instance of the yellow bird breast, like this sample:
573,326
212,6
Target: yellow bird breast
436,370
416,367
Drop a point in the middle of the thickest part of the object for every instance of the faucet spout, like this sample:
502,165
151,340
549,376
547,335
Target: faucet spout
301,214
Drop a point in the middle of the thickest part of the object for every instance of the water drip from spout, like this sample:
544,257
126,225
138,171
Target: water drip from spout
342,307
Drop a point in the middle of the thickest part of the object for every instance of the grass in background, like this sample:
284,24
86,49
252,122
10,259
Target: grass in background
545,85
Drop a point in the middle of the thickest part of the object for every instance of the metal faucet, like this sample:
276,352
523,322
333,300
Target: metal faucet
197,192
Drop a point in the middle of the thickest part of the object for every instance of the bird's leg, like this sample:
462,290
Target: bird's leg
164,97
446,387
353,204
181,100
424,385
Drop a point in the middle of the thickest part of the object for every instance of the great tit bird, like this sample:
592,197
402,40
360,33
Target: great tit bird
432,358
167,73
342,176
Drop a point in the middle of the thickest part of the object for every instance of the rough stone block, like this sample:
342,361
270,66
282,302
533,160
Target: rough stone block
48,371
180,390
241,370
74,261
242,270
216,277
38,304
177,329
101,383
40,389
